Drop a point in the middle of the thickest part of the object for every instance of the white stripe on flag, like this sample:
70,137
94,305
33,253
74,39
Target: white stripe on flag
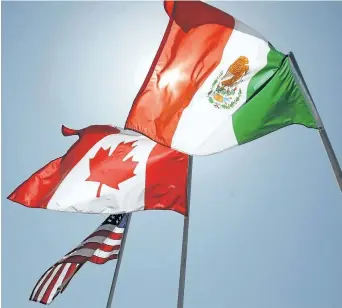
105,254
87,252
102,239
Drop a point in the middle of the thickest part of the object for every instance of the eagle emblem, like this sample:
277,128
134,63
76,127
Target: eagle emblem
225,92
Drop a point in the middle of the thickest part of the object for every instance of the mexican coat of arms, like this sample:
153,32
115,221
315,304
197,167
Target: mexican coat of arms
225,92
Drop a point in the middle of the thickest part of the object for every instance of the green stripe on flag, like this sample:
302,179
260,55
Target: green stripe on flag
278,104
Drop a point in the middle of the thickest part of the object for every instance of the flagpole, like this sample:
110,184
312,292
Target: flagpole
118,263
182,273
322,132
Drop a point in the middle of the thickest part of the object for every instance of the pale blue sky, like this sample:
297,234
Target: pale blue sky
266,217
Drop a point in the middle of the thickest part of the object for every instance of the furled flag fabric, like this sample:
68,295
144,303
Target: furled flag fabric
215,83
99,247
109,170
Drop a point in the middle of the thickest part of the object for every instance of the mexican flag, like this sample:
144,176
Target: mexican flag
109,170
215,83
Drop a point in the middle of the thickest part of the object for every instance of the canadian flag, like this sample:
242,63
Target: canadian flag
109,170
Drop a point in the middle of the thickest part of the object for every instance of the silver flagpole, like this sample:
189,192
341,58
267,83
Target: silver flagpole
118,263
322,132
181,285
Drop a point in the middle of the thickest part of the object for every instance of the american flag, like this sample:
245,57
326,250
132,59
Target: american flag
99,247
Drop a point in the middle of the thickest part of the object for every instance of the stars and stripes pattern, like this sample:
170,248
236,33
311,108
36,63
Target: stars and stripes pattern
99,247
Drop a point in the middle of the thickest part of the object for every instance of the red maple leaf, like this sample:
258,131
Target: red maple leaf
111,169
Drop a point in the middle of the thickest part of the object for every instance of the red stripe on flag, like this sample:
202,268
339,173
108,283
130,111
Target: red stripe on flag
39,188
108,248
105,233
99,260
166,180
191,49
101,246
96,245
93,259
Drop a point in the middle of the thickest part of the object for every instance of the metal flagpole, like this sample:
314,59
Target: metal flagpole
181,285
118,263
325,139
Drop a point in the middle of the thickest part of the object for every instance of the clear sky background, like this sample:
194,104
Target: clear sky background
266,217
